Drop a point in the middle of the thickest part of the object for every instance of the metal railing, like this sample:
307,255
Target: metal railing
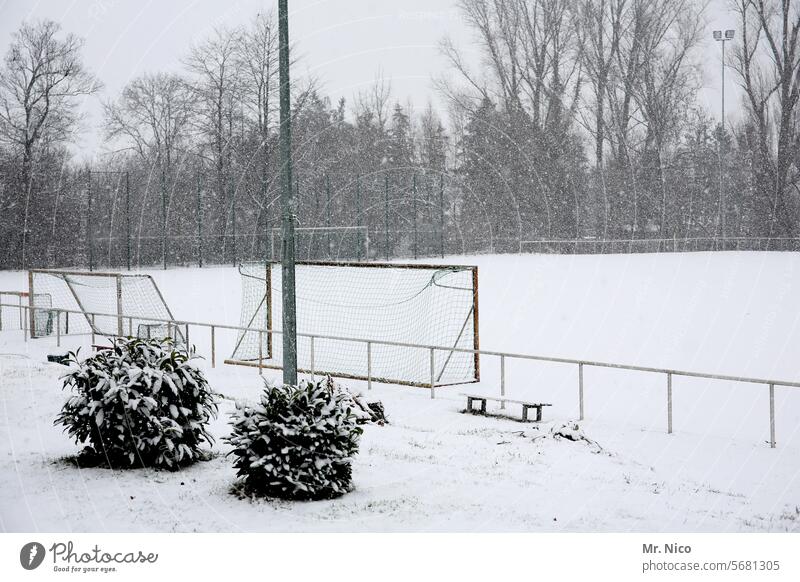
503,356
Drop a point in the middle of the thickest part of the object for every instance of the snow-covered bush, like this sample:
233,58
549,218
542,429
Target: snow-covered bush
140,403
297,443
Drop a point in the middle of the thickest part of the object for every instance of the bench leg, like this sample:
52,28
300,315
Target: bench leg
483,406
469,404
524,413
538,414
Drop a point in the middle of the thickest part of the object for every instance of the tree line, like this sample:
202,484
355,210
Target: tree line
580,121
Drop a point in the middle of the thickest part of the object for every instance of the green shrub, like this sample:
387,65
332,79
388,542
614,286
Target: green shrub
297,443
140,403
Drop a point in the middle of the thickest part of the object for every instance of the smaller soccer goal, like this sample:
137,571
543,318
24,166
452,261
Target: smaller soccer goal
108,304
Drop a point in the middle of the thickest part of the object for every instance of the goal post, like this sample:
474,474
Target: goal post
108,304
380,305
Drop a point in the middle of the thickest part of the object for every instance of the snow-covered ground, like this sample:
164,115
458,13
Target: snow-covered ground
435,469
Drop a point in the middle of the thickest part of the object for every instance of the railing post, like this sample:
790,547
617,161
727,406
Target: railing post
130,327
502,381
260,353
25,325
433,376
58,329
312,359
369,365
580,390
772,416
669,403
187,337
93,338
213,349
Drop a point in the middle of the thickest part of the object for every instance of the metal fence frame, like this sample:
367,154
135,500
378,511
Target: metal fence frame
580,364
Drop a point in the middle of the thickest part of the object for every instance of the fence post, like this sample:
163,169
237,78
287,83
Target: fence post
187,337
93,338
25,325
260,353
414,210
502,382
199,224
433,376
369,365
580,390
128,218
89,231
386,215
58,329
312,358
772,416
441,214
329,213
669,403
213,349
130,326
359,219
119,306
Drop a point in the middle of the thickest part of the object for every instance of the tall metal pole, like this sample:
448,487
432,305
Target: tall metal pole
287,204
722,136
128,218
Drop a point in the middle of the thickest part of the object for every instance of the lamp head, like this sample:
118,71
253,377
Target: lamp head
717,35
729,34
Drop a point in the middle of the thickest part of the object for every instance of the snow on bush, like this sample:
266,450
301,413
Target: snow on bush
297,443
140,403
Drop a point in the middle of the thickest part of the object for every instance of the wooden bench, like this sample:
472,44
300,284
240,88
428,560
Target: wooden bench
526,406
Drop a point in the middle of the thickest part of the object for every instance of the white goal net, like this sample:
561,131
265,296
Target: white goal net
428,305
109,304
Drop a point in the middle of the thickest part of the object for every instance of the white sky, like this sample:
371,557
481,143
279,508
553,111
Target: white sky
344,43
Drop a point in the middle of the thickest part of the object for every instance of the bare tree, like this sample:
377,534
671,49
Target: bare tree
598,33
152,118
42,77
768,64
215,66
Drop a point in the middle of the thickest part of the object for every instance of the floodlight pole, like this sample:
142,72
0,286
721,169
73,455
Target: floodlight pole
719,36
287,204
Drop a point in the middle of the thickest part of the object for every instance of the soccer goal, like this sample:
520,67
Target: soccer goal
325,242
128,305
387,303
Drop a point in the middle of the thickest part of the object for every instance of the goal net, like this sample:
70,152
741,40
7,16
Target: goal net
109,304
428,305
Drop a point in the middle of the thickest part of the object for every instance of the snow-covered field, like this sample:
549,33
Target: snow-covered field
434,469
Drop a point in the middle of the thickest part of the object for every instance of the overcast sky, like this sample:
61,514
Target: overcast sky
344,43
